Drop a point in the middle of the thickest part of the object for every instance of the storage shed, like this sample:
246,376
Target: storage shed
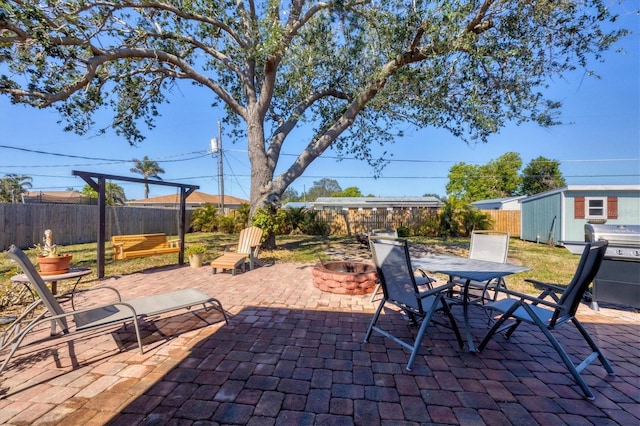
560,214
507,203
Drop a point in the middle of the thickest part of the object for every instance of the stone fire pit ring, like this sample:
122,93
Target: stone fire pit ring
345,277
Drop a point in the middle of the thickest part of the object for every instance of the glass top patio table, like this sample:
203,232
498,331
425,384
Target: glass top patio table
469,270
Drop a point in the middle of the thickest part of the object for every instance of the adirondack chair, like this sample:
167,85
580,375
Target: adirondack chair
74,321
247,247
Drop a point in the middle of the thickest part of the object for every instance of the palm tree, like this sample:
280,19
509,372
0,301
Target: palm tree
12,186
114,194
148,169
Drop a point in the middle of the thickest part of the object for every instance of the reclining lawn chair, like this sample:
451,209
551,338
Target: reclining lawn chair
91,318
548,315
247,247
391,256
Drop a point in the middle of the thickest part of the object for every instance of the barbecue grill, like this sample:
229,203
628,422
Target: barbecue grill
618,280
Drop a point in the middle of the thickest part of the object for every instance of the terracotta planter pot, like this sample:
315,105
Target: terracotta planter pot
54,265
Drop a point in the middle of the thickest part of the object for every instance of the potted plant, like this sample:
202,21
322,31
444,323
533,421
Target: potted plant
196,253
50,261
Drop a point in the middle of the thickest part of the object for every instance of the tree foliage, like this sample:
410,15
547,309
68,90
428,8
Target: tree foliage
351,191
540,175
501,178
497,179
114,194
148,169
324,187
347,71
13,186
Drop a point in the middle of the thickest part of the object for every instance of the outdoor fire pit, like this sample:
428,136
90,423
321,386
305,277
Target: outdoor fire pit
345,277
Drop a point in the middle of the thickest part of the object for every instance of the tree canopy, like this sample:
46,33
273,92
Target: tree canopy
148,169
13,186
347,71
114,194
501,178
540,175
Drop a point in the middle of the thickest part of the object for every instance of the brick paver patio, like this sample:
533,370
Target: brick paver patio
293,355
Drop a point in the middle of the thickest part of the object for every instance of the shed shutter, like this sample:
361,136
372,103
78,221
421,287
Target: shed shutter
612,207
578,207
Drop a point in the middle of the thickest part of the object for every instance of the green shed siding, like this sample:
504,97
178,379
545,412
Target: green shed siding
538,219
539,211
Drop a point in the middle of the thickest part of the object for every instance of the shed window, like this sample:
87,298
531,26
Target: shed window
596,207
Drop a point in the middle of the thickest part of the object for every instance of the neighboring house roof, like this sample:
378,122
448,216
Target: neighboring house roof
377,202
195,198
585,188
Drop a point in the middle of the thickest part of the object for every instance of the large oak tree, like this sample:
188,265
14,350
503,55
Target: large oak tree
346,70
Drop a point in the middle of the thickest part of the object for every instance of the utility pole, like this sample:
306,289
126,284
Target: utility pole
216,148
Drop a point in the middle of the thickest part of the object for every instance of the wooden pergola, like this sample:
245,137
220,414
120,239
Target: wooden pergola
97,181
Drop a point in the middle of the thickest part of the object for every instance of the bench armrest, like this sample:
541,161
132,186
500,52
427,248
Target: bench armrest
173,243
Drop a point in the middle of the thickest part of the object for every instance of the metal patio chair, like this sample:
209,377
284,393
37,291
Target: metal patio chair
422,279
554,307
492,246
74,321
391,257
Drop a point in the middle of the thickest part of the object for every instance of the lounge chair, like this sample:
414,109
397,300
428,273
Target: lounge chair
554,307
247,247
391,256
73,321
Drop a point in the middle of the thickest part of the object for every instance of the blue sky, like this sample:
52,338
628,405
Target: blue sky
599,144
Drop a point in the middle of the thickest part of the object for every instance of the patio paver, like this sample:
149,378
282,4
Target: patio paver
292,354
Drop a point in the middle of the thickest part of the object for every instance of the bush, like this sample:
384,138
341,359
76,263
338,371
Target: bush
403,231
205,218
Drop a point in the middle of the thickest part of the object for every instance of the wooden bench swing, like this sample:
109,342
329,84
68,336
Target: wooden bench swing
143,245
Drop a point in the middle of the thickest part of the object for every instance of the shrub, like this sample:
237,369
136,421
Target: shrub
205,219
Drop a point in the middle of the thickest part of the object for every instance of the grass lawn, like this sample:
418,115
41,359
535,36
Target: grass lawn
549,264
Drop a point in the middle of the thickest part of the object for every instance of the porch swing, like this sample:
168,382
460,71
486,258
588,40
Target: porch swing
142,244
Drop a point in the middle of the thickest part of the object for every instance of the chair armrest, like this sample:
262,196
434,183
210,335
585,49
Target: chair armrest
173,243
118,247
545,285
103,287
548,289
227,246
533,299
436,290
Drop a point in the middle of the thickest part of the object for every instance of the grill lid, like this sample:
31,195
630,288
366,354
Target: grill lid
624,235
624,240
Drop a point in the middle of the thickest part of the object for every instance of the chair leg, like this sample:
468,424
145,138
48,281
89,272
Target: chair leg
594,347
375,291
418,341
373,321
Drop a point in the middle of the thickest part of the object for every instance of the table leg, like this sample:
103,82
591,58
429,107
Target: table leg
54,287
465,314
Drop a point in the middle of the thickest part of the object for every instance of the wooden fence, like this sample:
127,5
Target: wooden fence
419,221
24,224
